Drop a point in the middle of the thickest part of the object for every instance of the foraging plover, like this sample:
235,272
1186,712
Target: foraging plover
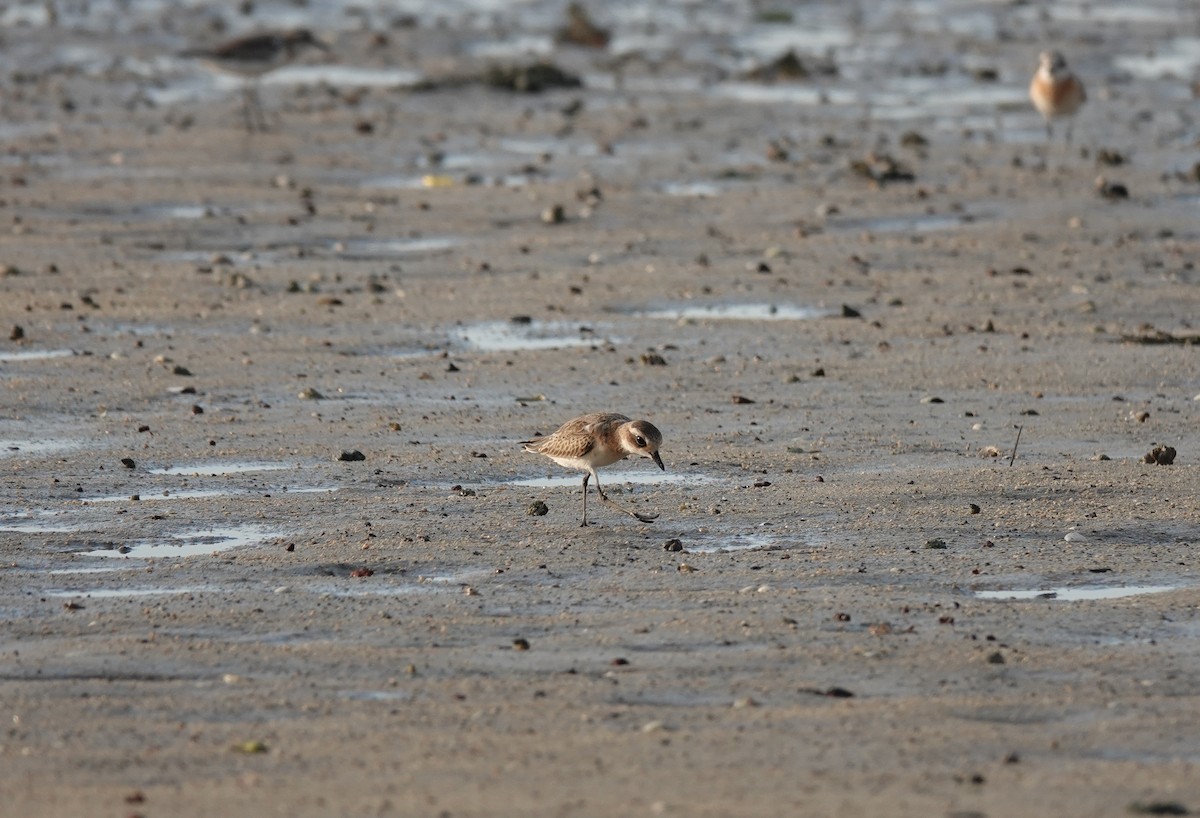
599,439
1056,91
253,55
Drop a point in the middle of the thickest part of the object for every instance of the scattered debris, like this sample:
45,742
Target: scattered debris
1158,808
352,456
831,692
1161,455
251,747
529,79
788,67
881,168
537,509
1111,190
1150,337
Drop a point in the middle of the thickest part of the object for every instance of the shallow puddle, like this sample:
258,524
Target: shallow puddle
35,354
165,494
1068,594
925,223
738,312
115,593
342,75
695,190
391,248
511,336
36,447
377,695
515,46
209,541
14,527
814,36
723,543
219,469
1179,57
791,94
651,476
73,571
177,212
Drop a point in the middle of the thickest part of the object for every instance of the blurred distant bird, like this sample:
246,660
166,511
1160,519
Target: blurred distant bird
1056,91
581,30
252,56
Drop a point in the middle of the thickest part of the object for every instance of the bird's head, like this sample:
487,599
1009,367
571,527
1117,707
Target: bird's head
642,438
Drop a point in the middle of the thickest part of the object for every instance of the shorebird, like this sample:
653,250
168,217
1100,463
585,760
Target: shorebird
1056,91
599,439
252,56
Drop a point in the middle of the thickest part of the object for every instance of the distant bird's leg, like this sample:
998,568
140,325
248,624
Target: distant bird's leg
644,518
252,110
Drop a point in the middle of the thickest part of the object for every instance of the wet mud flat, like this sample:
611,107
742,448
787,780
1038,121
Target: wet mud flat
264,531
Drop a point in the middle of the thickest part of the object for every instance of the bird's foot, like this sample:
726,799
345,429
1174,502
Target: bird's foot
637,515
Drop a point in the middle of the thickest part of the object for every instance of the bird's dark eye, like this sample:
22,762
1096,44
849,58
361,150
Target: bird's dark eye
640,441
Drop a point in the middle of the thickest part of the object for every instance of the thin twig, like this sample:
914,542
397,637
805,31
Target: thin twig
1015,444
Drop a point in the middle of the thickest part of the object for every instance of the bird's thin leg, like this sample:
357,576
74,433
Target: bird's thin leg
252,110
246,109
1070,129
645,518
585,479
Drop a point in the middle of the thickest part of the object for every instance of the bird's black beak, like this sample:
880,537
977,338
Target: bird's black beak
658,460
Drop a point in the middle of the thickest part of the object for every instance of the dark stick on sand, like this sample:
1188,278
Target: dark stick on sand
1016,443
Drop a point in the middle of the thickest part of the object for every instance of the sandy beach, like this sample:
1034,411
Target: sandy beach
928,383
